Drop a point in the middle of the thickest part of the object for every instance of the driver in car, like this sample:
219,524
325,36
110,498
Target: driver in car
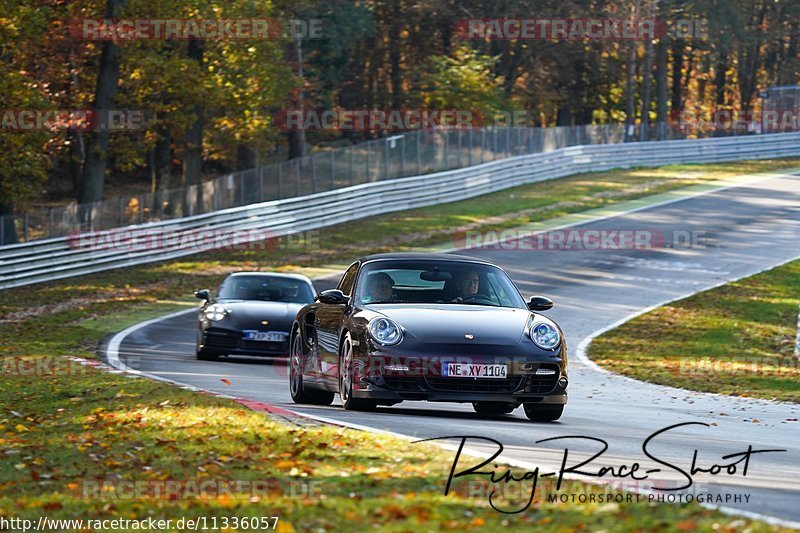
467,284
380,287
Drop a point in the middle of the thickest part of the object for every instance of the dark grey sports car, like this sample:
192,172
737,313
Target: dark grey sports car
251,314
435,327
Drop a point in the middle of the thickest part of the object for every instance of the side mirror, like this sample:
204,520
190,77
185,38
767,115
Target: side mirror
333,296
203,294
540,303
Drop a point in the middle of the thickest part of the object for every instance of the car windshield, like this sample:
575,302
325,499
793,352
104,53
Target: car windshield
436,282
265,289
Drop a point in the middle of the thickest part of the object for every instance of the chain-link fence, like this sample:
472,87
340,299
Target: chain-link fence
405,154
781,109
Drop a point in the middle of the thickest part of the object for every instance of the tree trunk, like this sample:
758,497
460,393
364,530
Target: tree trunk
647,77
720,72
163,173
193,152
630,83
245,157
394,55
94,169
297,138
676,102
661,87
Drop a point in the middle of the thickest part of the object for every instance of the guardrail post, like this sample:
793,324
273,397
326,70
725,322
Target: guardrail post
2,230
25,226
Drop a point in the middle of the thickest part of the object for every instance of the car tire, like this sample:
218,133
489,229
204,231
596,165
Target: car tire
205,355
346,380
543,413
297,388
494,408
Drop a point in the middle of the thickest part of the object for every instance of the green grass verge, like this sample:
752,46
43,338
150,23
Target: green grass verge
76,425
737,339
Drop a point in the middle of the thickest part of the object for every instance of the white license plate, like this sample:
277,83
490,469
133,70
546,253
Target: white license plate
468,370
266,336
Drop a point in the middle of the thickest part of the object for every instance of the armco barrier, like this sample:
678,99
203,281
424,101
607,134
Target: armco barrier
52,259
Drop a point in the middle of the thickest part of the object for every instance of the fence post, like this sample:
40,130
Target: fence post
49,222
297,174
280,179
419,156
313,173
369,148
333,169
260,183
25,225
350,174
121,212
469,150
797,341
446,150
2,230
385,160
403,157
242,174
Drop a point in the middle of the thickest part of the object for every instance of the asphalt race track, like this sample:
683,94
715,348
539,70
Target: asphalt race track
746,229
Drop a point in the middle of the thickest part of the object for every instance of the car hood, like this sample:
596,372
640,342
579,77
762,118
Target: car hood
448,324
249,314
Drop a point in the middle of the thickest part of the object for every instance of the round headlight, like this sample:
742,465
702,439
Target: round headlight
545,335
385,331
216,312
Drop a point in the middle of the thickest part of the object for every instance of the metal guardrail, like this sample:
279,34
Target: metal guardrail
63,257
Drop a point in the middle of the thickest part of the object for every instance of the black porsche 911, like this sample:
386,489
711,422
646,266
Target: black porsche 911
251,314
435,327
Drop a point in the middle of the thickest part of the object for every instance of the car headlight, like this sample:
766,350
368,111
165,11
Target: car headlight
215,312
545,335
385,331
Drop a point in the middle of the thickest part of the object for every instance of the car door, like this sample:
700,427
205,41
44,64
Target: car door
328,324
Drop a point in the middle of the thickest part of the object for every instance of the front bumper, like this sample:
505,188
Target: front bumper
525,387
230,342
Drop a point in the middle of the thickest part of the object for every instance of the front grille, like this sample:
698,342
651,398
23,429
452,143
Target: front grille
543,384
402,383
260,346
474,384
217,340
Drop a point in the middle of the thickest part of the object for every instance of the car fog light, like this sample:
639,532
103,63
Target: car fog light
545,372
562,382
397,368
